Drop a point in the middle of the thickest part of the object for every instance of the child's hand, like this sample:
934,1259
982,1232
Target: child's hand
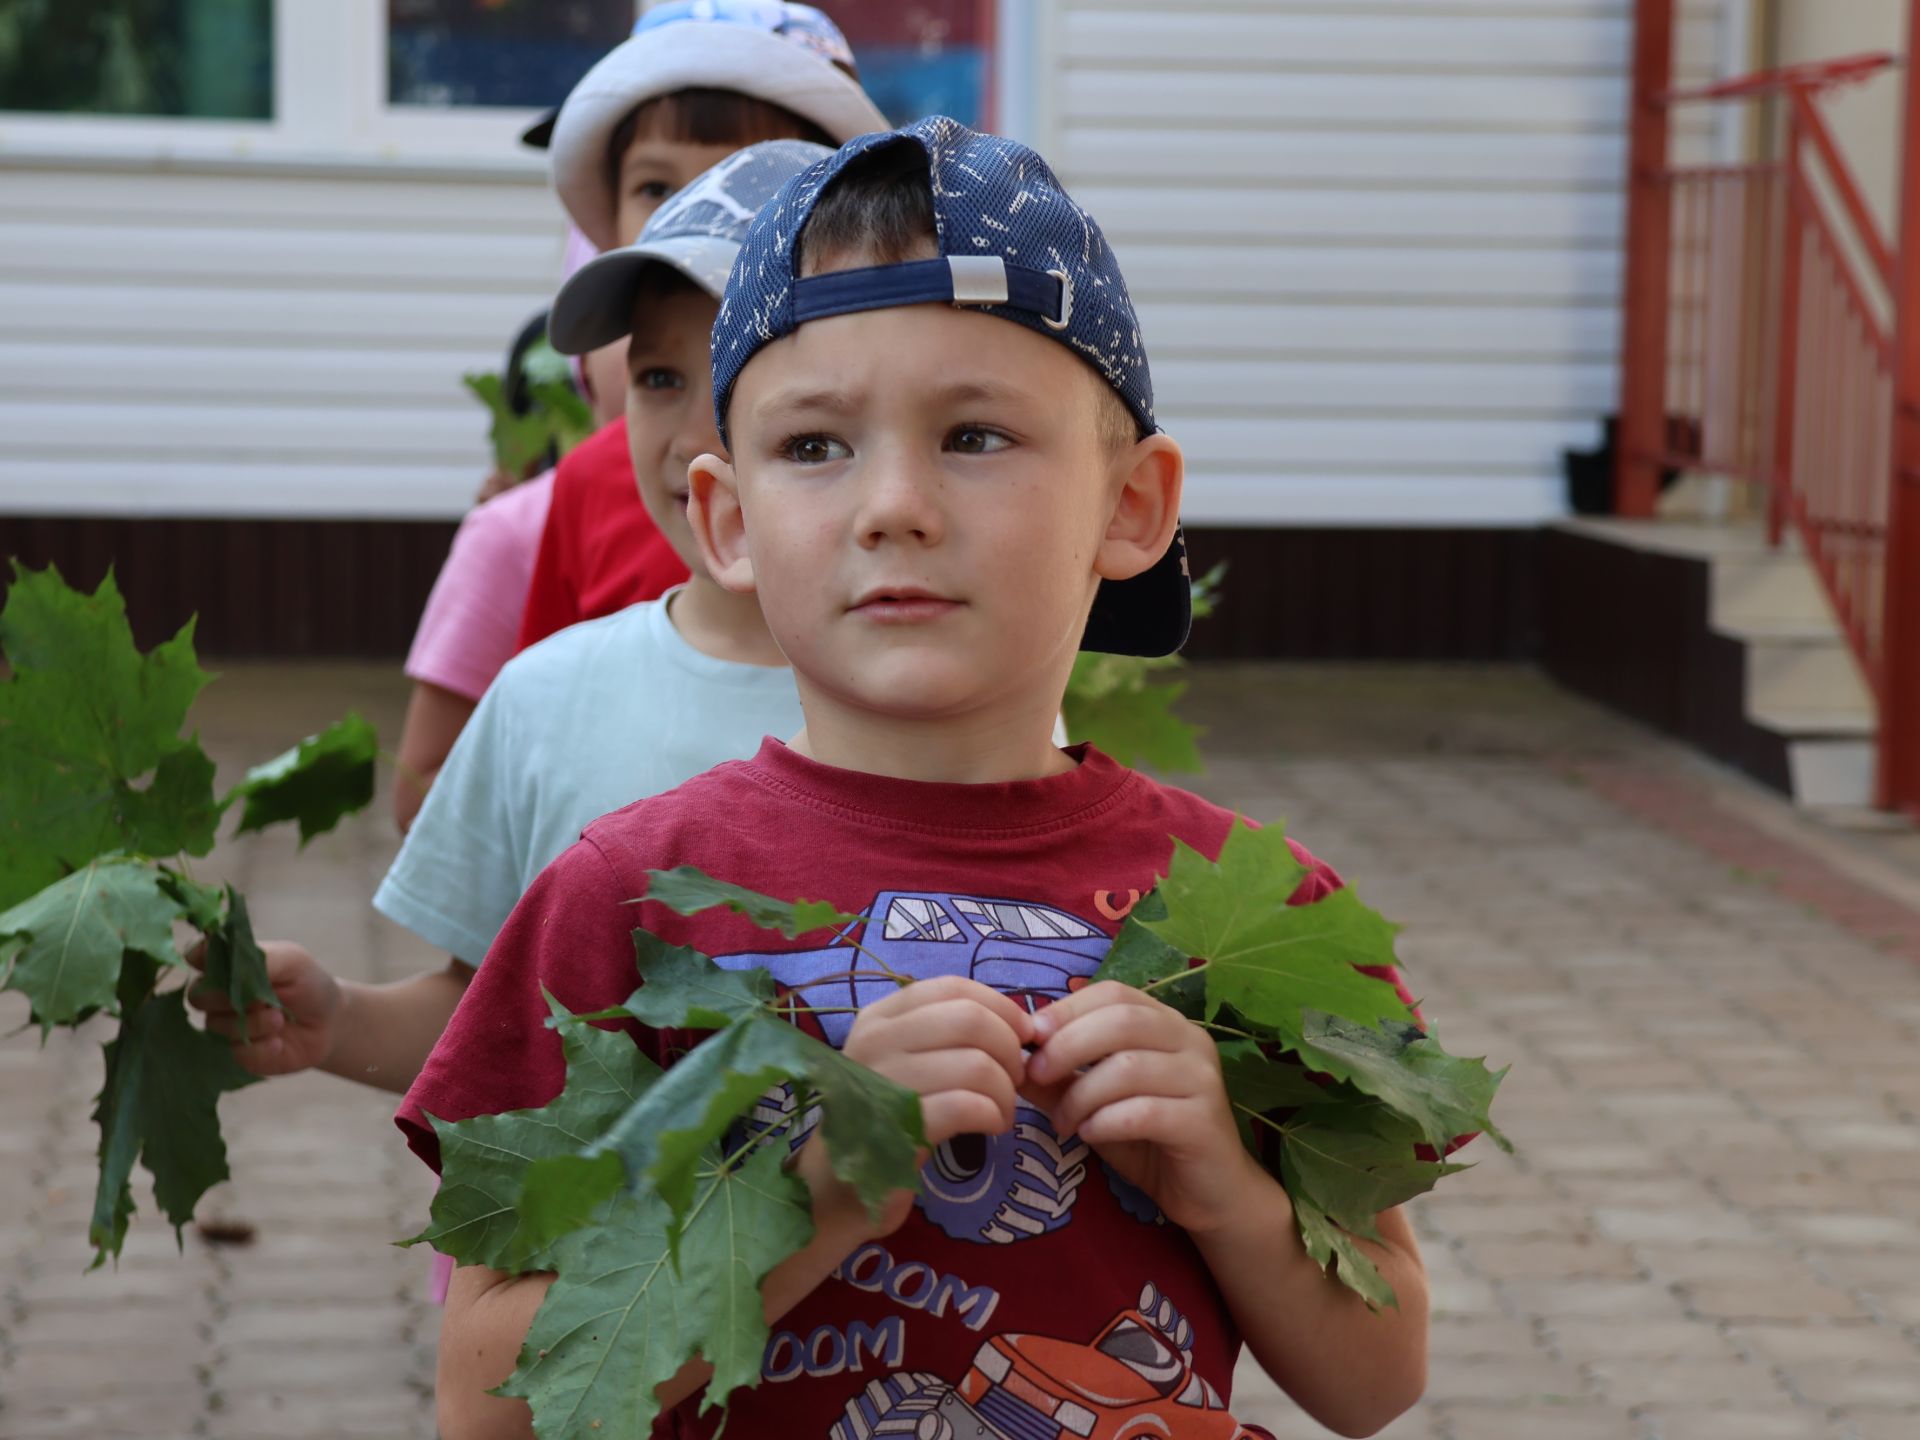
1141,1084
278,1042
955,1042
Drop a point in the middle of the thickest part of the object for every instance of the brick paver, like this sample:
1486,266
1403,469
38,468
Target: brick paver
1712,1227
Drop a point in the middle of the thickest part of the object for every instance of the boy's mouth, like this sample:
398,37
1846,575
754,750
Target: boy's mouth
902,605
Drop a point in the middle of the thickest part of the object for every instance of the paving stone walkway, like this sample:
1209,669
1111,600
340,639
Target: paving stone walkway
1712,1009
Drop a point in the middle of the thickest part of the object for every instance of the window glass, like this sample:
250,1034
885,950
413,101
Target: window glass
1141,1351
199,59
914,917
497,52
1036,922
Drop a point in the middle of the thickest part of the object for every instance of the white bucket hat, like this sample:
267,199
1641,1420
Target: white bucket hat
788,55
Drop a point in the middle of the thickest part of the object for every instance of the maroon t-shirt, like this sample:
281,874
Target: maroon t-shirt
1030,1287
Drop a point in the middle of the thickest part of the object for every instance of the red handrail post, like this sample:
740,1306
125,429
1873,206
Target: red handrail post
1649,242
1900,702
1793,199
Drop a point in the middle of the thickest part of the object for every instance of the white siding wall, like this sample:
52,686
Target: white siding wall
1374,243
215,341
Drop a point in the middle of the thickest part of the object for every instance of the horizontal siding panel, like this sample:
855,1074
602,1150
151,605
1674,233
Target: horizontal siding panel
1184,386
1544,40
1143,96
1259,497
1381,443
1408,216
1139,153
243,489
383,258
230,375
135,199
1164,271
1231,331
406,319
368,435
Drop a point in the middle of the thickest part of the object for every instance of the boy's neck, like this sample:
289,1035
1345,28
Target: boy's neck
722,625
992,746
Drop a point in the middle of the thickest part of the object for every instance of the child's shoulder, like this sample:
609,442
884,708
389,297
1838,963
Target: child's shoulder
1205,826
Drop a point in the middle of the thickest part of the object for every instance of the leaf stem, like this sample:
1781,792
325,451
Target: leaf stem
1153,985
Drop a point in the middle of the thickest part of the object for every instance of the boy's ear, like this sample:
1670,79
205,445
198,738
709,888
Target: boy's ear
718,523
1146,508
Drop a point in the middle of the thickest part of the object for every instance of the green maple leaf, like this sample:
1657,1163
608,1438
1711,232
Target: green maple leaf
202,906
482,1213
1129,719
687,890
62,947
1353,1162
1257,1081
684,990
629,1307
1444,1095
1269,960
568,419
235,963
319,782
84,717
164,1079
1334,1249
1141,959
871,1125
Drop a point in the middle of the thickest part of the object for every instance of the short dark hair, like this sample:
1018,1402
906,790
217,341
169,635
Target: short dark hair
879,211
706,116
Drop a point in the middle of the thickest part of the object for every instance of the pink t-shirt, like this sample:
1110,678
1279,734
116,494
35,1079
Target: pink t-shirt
472,619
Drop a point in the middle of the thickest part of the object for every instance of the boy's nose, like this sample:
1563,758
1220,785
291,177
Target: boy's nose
900,501
696,434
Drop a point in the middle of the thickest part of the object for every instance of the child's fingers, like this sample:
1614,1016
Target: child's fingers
1107,993
263,1022
1146,1119
209,998
1128,1075
948,1113
196,954
937,1071
955,1024
1101,1030
944,988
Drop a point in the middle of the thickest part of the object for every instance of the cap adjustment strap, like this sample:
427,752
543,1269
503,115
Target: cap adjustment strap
958,279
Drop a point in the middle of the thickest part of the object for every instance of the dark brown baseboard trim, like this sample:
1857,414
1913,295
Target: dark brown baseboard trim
287,588
335,588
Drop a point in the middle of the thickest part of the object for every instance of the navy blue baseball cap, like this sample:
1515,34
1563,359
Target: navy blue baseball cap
1013,243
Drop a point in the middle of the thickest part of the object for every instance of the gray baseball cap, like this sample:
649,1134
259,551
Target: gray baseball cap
697,231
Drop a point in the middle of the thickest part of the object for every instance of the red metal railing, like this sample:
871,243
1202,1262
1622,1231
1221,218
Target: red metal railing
1760,344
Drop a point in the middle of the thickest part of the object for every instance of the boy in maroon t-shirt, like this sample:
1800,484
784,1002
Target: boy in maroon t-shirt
946,480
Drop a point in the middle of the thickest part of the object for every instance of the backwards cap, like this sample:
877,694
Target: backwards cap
788,55
1012,243
697,231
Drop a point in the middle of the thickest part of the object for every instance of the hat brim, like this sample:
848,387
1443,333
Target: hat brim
539,135
710,55
1147,615
595,306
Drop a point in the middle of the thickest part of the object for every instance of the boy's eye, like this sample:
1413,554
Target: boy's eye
658,377
976,440
813,449
653,189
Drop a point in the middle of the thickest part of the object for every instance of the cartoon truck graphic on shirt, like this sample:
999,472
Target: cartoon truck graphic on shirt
988,1189
1134,1380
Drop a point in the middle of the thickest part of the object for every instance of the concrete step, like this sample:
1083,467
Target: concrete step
1804,673
1832,773
1774,588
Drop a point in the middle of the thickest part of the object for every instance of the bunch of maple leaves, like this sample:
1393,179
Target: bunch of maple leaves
102,801
635,1187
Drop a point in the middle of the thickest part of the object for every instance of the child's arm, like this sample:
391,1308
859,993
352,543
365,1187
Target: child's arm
1142,1084
379,1035
954,1041
435,718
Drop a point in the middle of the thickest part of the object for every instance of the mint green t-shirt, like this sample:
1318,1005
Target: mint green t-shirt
587,721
